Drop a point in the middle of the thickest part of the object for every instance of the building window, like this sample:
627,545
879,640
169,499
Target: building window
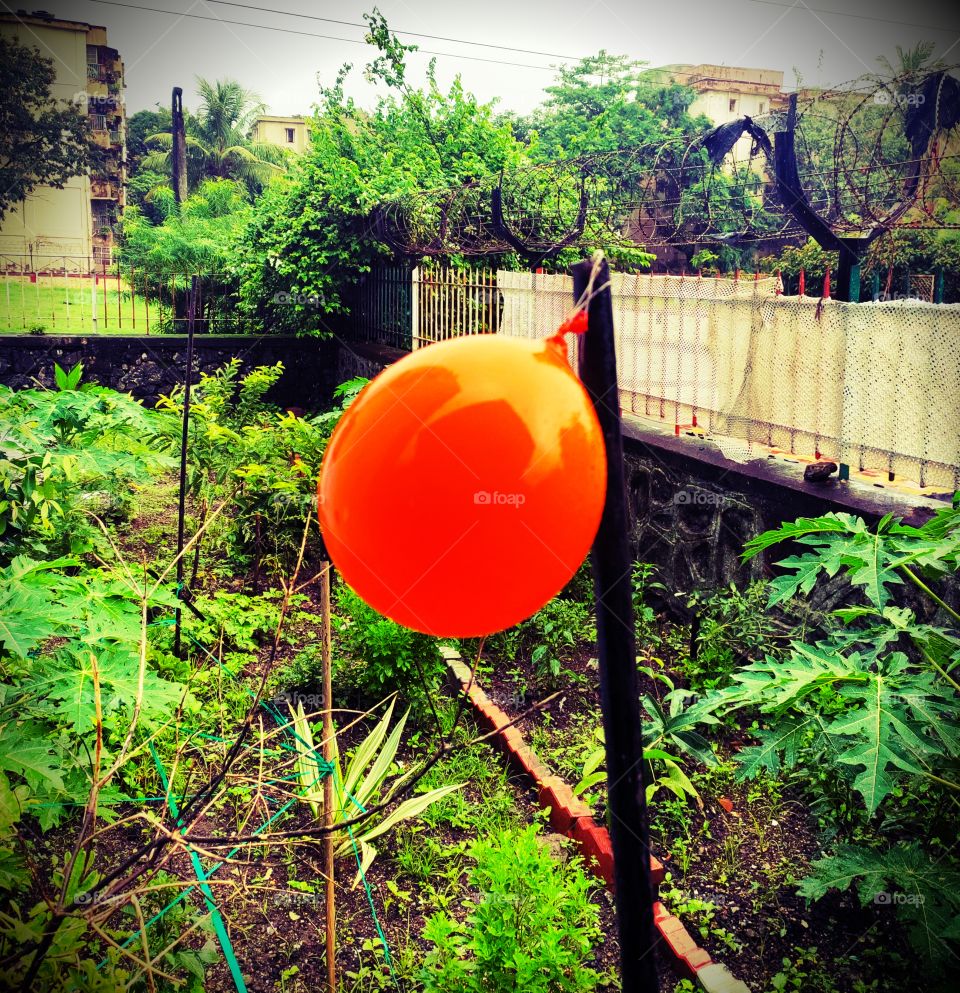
290,135
98,122
763,107
733,104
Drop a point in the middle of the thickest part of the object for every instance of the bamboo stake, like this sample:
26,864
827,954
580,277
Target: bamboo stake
328,781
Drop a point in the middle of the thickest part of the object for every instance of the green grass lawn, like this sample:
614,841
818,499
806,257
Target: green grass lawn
65,306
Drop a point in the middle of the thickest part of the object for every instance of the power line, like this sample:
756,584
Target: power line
800,6
417,34
309,34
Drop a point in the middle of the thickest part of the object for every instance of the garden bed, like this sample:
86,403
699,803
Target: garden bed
735,856
95,692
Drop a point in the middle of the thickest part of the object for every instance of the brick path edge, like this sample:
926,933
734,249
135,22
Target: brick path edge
571,817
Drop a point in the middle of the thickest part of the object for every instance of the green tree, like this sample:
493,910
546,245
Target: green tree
141,126
910,61
197,237
219,145
608,102
311,234
42,142
636,126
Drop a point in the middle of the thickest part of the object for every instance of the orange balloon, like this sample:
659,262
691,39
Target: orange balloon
464,486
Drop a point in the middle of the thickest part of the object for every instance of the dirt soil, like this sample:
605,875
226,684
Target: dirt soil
742,853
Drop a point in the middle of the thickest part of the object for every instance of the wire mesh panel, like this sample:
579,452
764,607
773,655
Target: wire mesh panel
901,409
535,304
874,385
922,286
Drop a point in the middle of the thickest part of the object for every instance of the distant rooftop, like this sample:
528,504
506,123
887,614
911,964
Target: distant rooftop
703,74
45,17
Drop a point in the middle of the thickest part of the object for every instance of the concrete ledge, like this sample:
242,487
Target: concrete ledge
772,468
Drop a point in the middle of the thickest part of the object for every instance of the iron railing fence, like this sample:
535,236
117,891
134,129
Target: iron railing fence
93,294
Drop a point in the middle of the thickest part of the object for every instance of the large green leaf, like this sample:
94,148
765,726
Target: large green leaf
411,807
785,739
25,748
67,683
365,752
924,891
798,528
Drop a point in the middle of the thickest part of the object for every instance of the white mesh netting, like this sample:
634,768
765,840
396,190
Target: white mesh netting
875,385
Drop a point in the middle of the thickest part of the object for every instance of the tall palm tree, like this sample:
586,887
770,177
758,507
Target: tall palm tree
910,60
218,138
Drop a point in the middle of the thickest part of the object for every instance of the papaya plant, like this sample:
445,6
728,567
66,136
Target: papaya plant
873,701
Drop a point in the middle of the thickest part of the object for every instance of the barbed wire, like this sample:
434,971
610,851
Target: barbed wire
847,163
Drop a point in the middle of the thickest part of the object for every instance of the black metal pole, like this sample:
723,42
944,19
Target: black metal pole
619,688
181,515
178,151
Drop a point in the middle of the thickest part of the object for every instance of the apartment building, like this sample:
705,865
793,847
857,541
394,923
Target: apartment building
72,227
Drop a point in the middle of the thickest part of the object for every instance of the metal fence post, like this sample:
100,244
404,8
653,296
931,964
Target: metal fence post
616,650
938,282
415,309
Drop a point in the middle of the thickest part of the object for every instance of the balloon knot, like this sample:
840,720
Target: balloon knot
576,323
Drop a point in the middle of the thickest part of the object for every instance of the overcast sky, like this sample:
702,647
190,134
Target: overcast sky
825,41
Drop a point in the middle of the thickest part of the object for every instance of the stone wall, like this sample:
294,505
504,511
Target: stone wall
692,509
364,359
149,366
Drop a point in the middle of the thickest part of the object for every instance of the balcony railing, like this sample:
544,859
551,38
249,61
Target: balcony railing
102,190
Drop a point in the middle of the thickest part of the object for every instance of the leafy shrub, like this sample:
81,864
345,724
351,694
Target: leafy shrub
874,701
556,630
532,929
732,627
67,451
669,741
580,586
644,616
55,628
267,459
387,657
371,777
245,623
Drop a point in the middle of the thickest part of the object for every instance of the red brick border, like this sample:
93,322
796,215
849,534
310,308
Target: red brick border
570,816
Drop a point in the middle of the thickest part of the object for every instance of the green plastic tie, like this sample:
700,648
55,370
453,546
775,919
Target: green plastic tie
216,917
366,885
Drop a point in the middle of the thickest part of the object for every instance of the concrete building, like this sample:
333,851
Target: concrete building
292,133
725,93
72,228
